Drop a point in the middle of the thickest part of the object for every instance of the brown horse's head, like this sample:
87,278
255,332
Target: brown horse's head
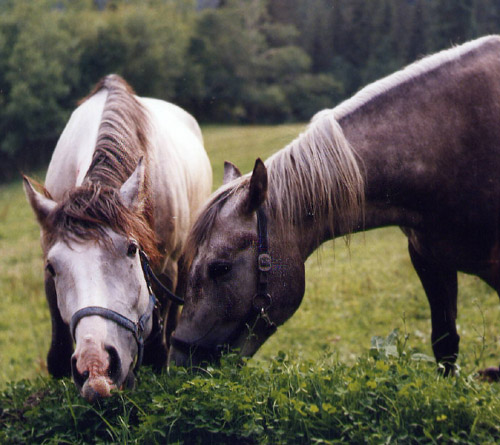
232,302
246,251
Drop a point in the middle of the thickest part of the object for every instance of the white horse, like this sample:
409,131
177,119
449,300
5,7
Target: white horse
126,177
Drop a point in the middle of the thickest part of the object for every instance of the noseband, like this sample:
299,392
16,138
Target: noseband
261,301
137,328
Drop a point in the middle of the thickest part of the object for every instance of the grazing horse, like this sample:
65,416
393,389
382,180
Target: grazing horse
419,149
125,178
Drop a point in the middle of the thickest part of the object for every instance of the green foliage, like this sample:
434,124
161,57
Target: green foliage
145,43
392,399
38,58
52,52
244,61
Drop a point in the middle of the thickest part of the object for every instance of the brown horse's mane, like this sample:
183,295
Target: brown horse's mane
122,141
316,176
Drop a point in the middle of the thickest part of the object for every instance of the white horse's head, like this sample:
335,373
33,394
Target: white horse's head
92,243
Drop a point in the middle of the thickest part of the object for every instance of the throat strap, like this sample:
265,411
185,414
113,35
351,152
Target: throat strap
150,276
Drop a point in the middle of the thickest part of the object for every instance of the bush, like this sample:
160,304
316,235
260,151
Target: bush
309,93
385,398
39,60
53,52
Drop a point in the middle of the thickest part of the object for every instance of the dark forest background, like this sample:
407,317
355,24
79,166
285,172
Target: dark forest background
234,61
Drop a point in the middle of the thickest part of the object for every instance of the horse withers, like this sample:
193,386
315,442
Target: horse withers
419,149
124,181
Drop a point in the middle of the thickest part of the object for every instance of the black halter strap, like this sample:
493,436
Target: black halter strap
137,328
151,277
261,301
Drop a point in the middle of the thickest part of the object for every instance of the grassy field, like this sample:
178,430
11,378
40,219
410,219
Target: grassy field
317,366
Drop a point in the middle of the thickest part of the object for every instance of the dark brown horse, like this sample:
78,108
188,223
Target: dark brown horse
419,149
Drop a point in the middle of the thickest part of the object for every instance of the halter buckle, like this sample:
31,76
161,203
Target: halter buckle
264,262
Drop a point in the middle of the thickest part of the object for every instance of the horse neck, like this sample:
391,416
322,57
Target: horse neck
414,134
417,132
399,168
316,186
382,196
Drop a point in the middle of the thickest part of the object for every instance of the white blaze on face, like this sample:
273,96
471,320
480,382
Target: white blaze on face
91,273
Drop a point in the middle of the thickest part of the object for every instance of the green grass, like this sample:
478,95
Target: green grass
381,399
315,380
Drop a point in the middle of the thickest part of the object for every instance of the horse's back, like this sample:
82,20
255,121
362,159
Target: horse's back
161,107
175,139
179,166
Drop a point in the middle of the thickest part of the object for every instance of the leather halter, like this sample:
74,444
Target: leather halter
137,328
261,301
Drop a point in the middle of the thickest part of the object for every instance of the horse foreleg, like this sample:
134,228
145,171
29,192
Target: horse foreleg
155,352
61,346
440,285
492,277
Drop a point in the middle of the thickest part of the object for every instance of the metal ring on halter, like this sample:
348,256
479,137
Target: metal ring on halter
265,304
264,262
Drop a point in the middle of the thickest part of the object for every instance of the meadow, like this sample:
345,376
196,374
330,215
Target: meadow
354,364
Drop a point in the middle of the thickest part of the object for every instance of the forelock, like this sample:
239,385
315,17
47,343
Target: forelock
88,211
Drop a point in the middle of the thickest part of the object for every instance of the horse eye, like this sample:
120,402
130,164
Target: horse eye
219,269
132,249
50,269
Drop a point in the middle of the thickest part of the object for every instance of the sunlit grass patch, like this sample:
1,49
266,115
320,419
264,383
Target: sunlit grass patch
24,318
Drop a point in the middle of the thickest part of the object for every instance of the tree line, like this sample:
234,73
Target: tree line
243,61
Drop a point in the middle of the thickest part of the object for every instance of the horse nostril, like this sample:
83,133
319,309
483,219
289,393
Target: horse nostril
78,378
115,364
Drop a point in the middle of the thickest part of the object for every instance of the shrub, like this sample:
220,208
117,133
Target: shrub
382,398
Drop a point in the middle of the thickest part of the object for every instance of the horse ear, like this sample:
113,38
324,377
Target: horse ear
41,205
131,190
230,172
257,191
